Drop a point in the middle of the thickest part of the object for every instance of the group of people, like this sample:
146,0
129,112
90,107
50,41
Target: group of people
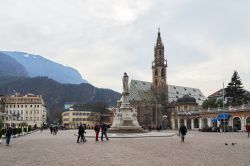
53,129
103,128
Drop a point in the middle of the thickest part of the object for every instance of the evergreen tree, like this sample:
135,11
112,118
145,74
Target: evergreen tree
235,90
212,103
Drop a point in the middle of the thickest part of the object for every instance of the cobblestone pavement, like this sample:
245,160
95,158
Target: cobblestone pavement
62,150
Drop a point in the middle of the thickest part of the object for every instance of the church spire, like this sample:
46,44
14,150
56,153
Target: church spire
159,71
158,41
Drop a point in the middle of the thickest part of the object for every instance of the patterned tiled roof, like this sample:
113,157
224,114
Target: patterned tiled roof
141,90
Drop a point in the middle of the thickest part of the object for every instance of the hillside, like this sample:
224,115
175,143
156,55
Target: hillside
56,94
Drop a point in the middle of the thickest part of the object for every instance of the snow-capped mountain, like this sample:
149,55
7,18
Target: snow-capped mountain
36,65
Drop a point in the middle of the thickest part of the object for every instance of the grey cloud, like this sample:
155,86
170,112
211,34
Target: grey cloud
204,40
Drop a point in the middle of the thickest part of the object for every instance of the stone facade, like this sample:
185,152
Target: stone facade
29,109
196,118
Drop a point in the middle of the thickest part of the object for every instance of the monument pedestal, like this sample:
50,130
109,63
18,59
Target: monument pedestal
125,120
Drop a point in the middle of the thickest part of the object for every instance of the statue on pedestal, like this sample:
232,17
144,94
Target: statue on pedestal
125,120
125,82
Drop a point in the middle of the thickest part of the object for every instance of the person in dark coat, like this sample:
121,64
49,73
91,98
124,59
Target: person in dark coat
51,129
104,131
182,132
81,131
8,135
97,130
248,129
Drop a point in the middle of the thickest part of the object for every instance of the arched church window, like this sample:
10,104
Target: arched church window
162,72
159,52
156,72
162,83
156,82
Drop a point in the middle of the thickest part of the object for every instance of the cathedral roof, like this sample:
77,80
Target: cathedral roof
141,90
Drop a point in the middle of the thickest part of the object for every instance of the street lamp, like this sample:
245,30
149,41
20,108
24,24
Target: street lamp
165,119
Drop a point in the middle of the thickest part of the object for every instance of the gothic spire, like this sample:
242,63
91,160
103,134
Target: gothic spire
158,41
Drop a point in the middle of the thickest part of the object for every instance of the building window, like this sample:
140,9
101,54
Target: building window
156,82
156,72
162,72
30,105
159,52
185,108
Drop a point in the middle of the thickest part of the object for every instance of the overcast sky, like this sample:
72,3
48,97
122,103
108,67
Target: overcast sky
205,41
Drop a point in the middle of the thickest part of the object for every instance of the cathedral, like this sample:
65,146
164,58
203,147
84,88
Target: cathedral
154,100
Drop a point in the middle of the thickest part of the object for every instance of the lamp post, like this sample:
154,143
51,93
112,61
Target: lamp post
156,124
165,119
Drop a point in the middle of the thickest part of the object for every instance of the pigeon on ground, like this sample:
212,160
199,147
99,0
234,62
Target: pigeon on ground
226,144
234,144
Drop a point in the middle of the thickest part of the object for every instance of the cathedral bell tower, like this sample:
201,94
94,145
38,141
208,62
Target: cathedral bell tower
159,69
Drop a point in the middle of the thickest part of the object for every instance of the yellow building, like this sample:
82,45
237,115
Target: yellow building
84,114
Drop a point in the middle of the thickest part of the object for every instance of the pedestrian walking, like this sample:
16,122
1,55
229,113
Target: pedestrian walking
55,129
51,129
182,132
104,131
81,131
248,129
97,130
8,135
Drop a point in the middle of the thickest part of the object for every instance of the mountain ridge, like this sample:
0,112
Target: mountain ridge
37,65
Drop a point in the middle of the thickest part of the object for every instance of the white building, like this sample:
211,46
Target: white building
28,109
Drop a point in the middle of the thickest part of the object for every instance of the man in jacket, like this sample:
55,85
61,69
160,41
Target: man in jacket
81,131
182,132
8,135
97,130
248,129
104,131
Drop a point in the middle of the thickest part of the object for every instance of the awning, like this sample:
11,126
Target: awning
214,120
223,116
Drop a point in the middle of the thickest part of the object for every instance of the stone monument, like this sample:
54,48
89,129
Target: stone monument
125,120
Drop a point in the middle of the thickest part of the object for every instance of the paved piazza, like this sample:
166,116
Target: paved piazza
200,149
